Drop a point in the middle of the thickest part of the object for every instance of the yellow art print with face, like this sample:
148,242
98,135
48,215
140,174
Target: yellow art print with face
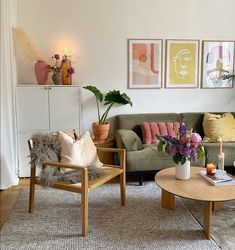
182,63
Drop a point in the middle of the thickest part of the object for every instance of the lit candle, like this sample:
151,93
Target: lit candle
221,147
210,168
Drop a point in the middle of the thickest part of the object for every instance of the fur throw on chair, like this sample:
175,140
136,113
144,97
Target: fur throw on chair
46,147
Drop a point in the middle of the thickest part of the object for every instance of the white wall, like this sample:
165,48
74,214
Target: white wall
97,31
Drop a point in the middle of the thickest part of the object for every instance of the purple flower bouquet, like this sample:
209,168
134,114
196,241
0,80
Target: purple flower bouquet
185,146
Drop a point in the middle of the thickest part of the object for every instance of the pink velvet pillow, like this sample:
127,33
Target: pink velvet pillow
162,128
154,130
146,133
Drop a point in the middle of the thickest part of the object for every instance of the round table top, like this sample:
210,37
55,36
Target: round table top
196,188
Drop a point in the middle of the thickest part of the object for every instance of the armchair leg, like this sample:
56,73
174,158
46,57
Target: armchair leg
84,205
84,214
123,188
31,195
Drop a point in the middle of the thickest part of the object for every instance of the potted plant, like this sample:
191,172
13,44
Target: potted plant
101,127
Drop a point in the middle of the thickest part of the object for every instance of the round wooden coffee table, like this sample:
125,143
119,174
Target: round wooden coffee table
196,188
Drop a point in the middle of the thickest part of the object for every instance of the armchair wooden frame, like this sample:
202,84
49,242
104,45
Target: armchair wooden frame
85,186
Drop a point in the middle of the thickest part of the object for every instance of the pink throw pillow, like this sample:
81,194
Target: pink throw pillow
146,133
170,129
162,128
176,127
154,130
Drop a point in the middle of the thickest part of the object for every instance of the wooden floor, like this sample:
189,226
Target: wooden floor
8,199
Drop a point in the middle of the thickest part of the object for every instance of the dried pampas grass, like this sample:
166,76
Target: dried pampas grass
24,43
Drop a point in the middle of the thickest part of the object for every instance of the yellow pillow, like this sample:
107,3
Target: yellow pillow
219,126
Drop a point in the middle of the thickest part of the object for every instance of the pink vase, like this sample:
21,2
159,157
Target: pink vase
41,71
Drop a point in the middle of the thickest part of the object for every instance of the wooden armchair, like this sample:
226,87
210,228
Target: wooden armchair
85,186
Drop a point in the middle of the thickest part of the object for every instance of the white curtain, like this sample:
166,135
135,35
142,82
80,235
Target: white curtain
8,157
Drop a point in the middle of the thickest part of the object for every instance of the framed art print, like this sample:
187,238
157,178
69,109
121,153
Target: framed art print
217,63
182,63
145,63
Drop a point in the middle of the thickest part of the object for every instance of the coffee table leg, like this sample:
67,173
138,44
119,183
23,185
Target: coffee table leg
217,205
168,200
207,218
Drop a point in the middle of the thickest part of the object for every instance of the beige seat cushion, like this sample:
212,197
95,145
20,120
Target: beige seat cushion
219,126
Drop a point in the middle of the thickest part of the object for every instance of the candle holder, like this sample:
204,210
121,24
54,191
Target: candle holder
210,168
221,162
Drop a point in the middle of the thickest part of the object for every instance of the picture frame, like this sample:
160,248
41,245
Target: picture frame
182,63
145,63
217,63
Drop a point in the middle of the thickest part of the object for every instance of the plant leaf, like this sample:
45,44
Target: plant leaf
115,96
95,91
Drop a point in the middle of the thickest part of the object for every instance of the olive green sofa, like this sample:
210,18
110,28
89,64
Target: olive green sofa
143,158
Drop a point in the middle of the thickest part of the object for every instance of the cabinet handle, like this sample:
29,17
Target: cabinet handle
49,87
45,87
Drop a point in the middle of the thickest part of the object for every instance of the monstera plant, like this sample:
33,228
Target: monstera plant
108,100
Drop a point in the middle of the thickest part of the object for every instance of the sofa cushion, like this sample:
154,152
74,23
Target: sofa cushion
219,126
149,159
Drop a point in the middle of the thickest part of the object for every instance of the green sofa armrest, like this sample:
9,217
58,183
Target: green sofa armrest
128,140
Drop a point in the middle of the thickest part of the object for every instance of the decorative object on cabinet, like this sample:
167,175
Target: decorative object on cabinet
44,109
24,43
145,63
182,63
61,69
101,127
217,64
41,71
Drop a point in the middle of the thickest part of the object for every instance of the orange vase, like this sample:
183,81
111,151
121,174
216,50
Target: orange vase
66,79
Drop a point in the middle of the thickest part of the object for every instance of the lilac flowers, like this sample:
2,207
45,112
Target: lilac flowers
186,146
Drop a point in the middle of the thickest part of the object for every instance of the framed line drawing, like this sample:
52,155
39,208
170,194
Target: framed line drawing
181,63
217,63
144,63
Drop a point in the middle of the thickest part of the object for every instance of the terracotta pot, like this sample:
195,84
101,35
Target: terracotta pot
41,71
100,132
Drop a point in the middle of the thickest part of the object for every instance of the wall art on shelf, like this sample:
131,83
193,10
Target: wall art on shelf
217,64
145,63
182,63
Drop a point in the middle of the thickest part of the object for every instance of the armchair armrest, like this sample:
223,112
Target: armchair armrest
128,139
64,165
121,153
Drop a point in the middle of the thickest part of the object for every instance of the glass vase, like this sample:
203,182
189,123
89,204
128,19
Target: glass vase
56,78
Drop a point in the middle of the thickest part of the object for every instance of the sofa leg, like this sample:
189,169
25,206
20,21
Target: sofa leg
141,178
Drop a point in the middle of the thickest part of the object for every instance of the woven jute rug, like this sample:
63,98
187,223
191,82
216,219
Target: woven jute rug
141,224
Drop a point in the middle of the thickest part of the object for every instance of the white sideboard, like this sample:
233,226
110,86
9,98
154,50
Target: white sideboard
44,108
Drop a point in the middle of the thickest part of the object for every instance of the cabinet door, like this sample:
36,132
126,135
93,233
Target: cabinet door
64,108
32,108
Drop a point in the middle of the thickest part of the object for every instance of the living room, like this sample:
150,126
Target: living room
98,35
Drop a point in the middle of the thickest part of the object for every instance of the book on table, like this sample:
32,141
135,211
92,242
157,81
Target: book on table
219,178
